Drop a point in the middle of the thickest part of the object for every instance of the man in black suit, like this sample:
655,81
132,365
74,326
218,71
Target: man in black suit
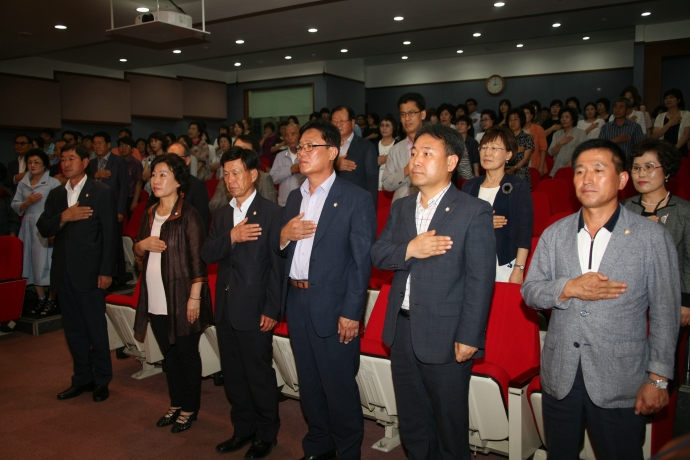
113,171
358,159
16,169
250,276
440,243
196,193
82,217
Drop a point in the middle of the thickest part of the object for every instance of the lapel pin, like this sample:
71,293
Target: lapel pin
87,195
254,212
447,209
627,232
175,213
335,205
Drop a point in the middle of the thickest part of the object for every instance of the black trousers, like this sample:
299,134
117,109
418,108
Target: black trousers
182,365
432,402
86,331
328,390
246,358
120,266
616,434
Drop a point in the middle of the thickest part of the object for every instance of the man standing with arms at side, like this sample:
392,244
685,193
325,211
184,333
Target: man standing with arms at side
396,175
82,218
440,243
285,169
329,227
617,272
248,290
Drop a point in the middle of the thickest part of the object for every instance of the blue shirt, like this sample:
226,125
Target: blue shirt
311,206
611,130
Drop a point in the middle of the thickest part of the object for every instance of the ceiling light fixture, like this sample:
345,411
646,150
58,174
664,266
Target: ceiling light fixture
288,57
476,34
237,64
61,27
239,42
556,24
177,51
520,45
123,60
404,57
459,51
499,4
407,43
312,30
143,9
585,38
343,50
398,18
646,13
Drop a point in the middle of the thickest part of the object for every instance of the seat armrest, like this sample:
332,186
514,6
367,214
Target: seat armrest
523,379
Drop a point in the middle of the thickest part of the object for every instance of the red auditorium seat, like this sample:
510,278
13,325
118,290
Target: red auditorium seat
125,300
461,182
535,241
542,212
556,217
549,163
628,191
265,164
372,339
535,177
678,187
12,285
211,186
132,228
559,195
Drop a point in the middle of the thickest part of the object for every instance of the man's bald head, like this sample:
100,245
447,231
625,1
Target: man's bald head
181,150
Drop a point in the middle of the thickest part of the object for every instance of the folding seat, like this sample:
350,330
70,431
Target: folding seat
535,177
559,195
12,285
567,175
542,212
500,417
208,344
134,223
548,163
284,360
211,185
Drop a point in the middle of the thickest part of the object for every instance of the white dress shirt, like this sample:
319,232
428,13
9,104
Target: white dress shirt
423,218
591,248
73,193
346,145
240,211
311,206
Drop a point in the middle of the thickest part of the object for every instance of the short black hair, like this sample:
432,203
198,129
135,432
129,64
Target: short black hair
466,119
172,136
161,137
605,102
531,109
624,100
177,166
452,140
472,100
127,131
505,134
87,136
678,94
557,102
573,99
293,119
126,140
536,104
250,158
520,114
463,107
314,115
224,136
49,132
79,149
636,99
450,108
200,125
587,104
668,154
417,98
591,144
391,119
225,127
375,117
490,113
270,124
141,139
104,135
350,112
37,153
573,113
329,132
184,138
281,124
324,110
28,139
71,133
249,139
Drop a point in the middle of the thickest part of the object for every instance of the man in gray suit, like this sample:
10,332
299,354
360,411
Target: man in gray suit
601,272
440,243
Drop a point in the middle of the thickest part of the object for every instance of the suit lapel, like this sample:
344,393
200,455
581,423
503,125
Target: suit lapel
290,212
572,250
616,243
253,215
445,207
86,192
328,211
410,217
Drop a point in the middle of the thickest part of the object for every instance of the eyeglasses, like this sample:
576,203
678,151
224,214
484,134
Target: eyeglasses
339,122
648,168
486,148
410,114
21,143
308,147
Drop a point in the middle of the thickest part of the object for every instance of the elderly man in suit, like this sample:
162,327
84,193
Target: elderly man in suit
440,243
396,174
358,159
248,290
605,274
82,217
16,169
329,227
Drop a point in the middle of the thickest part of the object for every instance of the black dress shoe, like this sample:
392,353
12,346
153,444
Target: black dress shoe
74,391
183,423
233,444
327,456
260,449
100,393
169,418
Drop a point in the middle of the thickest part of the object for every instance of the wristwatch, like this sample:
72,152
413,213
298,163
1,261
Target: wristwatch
660,384
521,267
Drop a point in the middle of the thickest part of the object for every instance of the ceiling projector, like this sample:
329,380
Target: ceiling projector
169,17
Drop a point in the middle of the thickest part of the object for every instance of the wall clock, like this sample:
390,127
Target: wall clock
495,84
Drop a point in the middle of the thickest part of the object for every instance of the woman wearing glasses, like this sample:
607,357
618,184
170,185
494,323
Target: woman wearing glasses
510,198
652,163
388,127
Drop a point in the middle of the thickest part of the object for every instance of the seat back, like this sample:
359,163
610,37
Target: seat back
542,212
372,339
383,208
11,258
559,194
132,228
211,186
534,177
555,218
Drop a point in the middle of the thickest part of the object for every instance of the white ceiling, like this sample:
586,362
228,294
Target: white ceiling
273,29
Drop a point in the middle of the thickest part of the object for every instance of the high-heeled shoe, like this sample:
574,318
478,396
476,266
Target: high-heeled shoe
186,423
169,418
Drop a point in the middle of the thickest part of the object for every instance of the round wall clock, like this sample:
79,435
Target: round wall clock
495,84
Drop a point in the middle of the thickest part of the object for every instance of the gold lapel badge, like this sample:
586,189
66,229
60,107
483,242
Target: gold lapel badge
254,212
626,232
335,205
447,209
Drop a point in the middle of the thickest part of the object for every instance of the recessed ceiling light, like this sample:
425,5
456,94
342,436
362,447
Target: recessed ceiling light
177,51
585,38
25,34
407,43
123,60
476,34
239,42
143,9
312,30
520,45
61,27
398,18
556,24
459,51
499,4
646,13
237,64
288,57
404,57
343,50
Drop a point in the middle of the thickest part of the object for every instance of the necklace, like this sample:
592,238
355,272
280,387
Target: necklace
161,219
656,204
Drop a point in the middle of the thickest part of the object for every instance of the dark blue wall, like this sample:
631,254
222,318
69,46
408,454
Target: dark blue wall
587,86
675,73
340,91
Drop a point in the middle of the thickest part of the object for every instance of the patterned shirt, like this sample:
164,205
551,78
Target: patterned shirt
102,162
423,218
611,130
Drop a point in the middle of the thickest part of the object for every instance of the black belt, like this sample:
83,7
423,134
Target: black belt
404,313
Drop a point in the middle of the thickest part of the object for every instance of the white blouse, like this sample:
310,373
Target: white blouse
154,278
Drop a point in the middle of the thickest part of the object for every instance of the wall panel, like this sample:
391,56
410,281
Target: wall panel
155,97
20,97
92,99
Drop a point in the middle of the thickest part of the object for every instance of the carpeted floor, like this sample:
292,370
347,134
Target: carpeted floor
35,425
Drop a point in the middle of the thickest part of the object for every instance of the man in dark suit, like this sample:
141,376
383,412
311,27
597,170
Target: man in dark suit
16,169
250,275
113,171
358,158
196,193
82,217
324,291
440,243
